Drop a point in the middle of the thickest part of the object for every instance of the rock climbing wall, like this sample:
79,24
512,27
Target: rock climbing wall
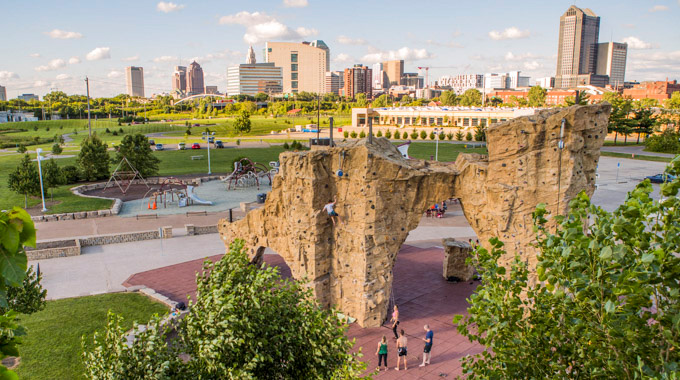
382,196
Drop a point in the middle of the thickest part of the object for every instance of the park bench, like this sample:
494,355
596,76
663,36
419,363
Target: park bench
146,216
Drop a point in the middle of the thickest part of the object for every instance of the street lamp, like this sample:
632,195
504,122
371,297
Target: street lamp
206,137
437,133
42,191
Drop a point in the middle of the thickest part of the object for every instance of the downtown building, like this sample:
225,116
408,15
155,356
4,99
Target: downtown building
393,73
179,81
611,61
194,80
358,80
304,64
335,82
505,81
3,93
135,81
461,83
253,78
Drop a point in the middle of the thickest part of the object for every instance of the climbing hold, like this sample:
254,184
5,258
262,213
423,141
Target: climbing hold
339,173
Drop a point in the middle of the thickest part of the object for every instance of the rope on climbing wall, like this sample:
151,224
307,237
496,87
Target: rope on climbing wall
560,145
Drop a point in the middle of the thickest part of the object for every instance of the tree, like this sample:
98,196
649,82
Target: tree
480,133
459,135
582,100
643,122
93,159
52,176
56,149
674,101
448,98
381,101
268,328
22,148
618,119
24,179
468,136
471,97
27,298
537,95
423,135
242,122
138,152
606,301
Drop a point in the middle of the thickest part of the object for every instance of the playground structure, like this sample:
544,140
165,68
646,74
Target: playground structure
248,174
124,178
173,187
380,196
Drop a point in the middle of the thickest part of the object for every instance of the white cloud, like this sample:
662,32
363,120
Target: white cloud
532,65
261,27
511,33
351,41
130,59
405,53
168,7
99,53
509,56
74,60
63,76
450,44
658,8
343,58
53,65
114,74
40,83
295,3
35,55
660,65
636,43
165,58
8,75
63,35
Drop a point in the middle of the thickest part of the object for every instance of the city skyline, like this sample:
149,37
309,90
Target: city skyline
58,48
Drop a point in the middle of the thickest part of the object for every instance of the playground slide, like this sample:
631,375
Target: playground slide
195,199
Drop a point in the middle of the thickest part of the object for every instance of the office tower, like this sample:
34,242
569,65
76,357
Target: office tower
28,97
304,66
179,80
135,81
250,57
577,49
611,61
322,45
358,80
335,82
195,84
394,71
462,82
3,93
546,82
412,80
377,75
254,78
212,90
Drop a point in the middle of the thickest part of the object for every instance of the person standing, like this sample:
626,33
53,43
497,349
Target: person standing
427,351
395,321
382,352
402,350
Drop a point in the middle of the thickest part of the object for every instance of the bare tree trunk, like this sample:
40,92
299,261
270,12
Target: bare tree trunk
616,135
26,200
638,139
625,139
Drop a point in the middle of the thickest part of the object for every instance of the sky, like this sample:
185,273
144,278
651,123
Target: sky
52,45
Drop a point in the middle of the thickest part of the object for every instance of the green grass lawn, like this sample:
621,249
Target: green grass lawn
52,348
637,157
447,152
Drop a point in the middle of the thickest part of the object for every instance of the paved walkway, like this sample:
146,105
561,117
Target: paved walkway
634,149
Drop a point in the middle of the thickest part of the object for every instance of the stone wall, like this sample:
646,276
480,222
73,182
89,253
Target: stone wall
455,254
382,196
119,238
53,249
200,230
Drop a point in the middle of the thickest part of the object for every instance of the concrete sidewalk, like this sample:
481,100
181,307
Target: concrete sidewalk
638,150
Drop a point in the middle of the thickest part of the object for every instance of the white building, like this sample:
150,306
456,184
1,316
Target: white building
611,61
546,82
461,83
252,79
377,75
3,93
135,81
505,81
14,116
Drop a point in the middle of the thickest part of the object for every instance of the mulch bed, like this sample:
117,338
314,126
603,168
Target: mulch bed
136,191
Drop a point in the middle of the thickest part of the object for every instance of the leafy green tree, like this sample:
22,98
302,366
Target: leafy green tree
397,135
388,134
56,149
468,136
674,101
22,148
582,99
242,122
361,100
93,159
619,123
459,135
448,98
137,150
537,95
24,179
480,133
643,122
27,298
53,176
606,301
362,134
470,98
268,328
380,101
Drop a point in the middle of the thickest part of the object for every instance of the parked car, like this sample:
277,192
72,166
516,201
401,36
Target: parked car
181,146
195,146
660,178
152,143
219,144
159,146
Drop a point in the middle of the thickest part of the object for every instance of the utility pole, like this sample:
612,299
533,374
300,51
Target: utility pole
89,123
318,117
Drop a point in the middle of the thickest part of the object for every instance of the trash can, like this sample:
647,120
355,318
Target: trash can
261,197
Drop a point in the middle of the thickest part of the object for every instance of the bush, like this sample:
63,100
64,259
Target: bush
22,149
423,135
414,135
468,137
353,135
449,136
379,134
667,142
362,135
56,149
188,131
71,174
108,130
35,128
345,134
459,136
286,146
121,131
115,133
397,135
238,142
388,134
442,136
432,136
47,129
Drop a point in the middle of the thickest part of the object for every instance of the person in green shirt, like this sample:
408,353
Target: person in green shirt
382,352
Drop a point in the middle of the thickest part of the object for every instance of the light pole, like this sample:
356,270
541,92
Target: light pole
206,137
42,191
437,131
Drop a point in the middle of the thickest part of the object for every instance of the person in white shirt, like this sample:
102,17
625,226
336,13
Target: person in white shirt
330,209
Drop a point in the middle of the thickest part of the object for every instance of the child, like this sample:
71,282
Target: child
331,210
382,352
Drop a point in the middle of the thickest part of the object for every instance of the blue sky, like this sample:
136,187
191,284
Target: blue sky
55,44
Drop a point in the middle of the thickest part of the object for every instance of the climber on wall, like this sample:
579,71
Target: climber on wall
331,210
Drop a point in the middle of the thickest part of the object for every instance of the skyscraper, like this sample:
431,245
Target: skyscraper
135,81
304,66
250,57
611,61
394,71
322,45
195,84
335,82
179,80
3,93
577,49
358,80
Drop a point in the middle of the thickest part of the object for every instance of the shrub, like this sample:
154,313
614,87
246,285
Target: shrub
22,148
188,131
432,136
397,135
667,142
423,135
286,146
414,135
442,136
70,173
449,136
362,135
353,135
47,129
238,142
108,130
379,134
388,134
56,149
345,134
35,128
121,130
115,133
459,136
468,137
